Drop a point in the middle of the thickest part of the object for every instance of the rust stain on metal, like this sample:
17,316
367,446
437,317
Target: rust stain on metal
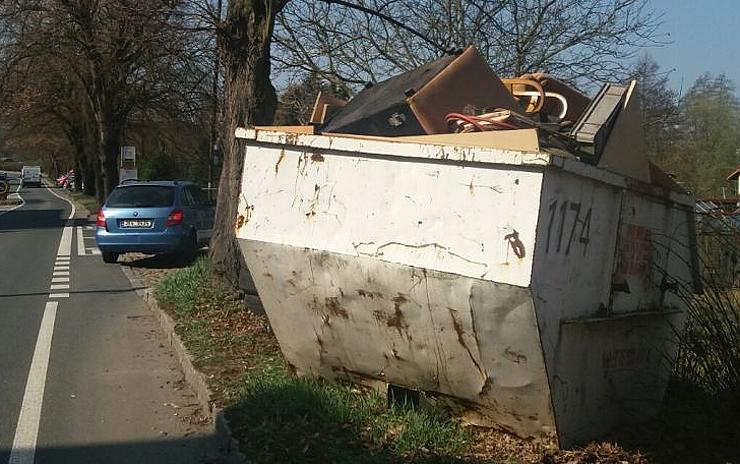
380,316
516,244
486,389
314,201
244,218
460,333
514,356
291,138
397,320
280,158
369,294
316,157
315,306
335,308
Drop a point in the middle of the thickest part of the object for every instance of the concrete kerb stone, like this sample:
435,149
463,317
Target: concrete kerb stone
195,379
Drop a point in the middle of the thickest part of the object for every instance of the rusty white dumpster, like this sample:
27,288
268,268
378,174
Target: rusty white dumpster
535,291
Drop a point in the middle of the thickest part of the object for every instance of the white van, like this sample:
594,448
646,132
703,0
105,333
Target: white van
31,175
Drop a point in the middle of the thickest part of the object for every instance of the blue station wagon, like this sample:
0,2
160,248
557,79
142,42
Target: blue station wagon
170,217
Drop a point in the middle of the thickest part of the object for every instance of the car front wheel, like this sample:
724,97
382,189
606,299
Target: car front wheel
109,256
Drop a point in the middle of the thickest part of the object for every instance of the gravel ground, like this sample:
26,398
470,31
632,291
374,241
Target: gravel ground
150,269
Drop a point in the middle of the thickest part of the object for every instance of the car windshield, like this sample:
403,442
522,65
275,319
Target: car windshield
141,196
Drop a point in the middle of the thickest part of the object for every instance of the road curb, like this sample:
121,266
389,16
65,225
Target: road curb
228,445
196,380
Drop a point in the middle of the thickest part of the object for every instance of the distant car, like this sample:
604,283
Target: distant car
31,175
170,217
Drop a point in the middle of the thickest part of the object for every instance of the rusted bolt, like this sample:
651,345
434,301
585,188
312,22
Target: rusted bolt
516,245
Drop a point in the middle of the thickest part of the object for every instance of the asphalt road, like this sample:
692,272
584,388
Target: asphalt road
85,373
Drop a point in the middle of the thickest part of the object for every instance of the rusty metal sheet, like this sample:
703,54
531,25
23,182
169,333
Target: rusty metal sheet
345,316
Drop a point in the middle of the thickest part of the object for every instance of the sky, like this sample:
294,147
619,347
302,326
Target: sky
704,36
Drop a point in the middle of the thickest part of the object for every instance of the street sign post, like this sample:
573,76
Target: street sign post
127,164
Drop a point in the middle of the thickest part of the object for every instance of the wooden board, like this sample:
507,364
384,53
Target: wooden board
517,139
310,130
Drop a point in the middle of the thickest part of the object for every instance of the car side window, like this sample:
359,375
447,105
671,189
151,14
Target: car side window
187,198
199,196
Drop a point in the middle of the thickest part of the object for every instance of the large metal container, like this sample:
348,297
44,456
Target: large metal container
534,290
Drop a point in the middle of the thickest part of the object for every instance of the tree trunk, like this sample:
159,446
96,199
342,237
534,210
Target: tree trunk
249,99
110,143
88,176
108,132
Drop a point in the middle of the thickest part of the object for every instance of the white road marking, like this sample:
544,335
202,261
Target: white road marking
60,273
27,429
65,246
80,242
23,202
59,280
82,248
58,295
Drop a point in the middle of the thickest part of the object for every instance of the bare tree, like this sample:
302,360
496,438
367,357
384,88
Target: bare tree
660,109
579,40
244,37
122,60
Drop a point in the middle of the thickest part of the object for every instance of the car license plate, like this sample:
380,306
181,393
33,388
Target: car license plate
136,223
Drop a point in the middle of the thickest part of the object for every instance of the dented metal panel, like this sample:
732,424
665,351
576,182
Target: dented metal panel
347,316
607,326
491,277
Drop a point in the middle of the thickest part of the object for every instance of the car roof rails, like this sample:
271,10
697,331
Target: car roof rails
126,181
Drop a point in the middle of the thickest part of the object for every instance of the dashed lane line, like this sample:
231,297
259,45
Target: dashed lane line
29,418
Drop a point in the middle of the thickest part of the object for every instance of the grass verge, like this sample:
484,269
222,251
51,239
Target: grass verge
278,417
88,201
